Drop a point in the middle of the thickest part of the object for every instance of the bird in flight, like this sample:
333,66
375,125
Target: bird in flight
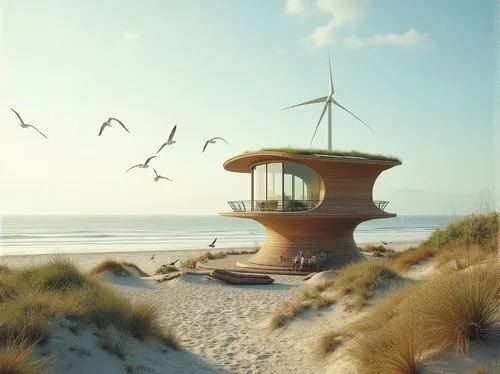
385,243
170,140
212,245
25,125
212,141
158,176
108,123
143,166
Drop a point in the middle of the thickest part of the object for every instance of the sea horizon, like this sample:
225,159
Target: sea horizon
34,234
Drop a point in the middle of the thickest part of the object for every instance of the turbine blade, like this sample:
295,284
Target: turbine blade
320,118
352,114
332,90
318,100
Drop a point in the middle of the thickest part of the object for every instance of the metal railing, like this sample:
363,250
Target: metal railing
272,205
280,206
381,204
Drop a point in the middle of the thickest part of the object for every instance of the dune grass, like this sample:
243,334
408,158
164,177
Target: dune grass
33,298
328,343
378,251
17,359
360,280
312,151
471,239
123,269
166,269
191,262
421,320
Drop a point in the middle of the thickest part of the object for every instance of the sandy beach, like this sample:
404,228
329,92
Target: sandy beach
222,328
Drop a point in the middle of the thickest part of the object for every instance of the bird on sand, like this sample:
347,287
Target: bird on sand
152,257
142,166
170,140
212,141
173,263
25,125
108,124
158,176
212,245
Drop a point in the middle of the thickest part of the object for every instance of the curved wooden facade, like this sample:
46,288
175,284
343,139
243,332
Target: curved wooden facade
345,200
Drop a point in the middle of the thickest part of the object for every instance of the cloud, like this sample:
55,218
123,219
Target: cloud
345,14
410,38
296,6
131,36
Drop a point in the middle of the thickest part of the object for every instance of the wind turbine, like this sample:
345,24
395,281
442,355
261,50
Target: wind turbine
328,100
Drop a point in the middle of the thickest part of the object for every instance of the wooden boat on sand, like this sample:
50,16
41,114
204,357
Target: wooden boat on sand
238,278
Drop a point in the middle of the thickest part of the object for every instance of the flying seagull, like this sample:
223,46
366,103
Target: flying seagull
143,166
212,245
385,243
25,125
108,123
328,101
158,176
212,141
170,140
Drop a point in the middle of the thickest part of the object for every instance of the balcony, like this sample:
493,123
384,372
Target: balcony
381,204
272,205
278,206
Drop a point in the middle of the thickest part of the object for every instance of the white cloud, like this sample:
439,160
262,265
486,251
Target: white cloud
410,38
344,14
131,36
296,6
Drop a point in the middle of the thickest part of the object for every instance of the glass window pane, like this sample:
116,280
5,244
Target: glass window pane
302,183
259,182
275,184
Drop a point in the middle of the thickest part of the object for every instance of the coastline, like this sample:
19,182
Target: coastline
87,260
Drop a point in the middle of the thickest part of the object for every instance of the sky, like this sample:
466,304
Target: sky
421,74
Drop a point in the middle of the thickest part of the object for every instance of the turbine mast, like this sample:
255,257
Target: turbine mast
330,126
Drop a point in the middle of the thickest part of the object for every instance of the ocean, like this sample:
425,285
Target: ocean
36,234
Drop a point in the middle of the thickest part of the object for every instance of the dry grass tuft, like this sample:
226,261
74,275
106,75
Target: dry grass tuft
33,298
362,279
397,350
122,269
460,257
166,269
458,308
328,343
16,359
412,256
423,319
191,262
378,251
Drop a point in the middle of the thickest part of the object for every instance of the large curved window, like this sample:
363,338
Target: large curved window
284,186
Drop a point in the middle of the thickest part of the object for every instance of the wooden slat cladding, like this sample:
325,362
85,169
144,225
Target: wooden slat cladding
346,200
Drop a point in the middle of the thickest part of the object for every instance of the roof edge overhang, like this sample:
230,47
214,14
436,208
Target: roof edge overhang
244,162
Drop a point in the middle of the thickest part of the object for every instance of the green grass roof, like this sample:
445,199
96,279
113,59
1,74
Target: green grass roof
312,151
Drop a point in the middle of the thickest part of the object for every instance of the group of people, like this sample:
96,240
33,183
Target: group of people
301,262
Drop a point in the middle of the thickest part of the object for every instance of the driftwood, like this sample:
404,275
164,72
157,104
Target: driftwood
240,275
229,277
169,277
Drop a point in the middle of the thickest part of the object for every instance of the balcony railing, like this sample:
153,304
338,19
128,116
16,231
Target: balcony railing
278,206
272,205
381,204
